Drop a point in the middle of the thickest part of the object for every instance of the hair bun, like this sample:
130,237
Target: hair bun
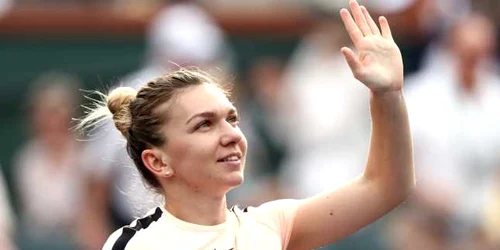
120,97
118,102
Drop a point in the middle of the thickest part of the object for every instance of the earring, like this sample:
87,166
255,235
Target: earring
167,172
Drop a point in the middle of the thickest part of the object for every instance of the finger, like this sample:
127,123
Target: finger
384,26
352,60
373,26
359,18
350,26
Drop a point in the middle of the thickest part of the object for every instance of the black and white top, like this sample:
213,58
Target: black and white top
268,226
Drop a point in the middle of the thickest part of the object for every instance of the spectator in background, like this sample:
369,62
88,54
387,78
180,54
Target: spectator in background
6,217
453,104
181,34
48,176
327,119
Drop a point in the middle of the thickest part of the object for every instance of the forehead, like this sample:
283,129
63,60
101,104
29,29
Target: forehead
200,98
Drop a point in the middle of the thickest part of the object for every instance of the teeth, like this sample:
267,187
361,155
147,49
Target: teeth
232,158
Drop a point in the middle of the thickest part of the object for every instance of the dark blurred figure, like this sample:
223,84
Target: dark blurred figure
181,34
453,105
48,175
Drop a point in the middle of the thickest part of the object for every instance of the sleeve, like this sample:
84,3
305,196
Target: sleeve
280,216
126,238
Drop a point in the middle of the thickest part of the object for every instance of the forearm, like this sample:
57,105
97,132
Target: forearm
390,159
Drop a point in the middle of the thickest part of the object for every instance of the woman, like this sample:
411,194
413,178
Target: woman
50,159
182,133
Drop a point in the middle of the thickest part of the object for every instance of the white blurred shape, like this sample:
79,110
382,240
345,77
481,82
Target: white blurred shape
380,6
388,6
185,34
5,6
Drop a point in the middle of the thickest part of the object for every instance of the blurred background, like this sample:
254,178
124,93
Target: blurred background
304,115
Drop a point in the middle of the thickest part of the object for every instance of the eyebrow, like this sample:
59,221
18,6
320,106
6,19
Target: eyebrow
209,114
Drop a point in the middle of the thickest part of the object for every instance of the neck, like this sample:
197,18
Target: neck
196,207
467,74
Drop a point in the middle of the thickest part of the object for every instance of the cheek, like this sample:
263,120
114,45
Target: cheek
243,144
191,154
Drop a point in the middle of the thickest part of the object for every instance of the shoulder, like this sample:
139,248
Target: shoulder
277,216
278,205
275,213
268,207
112,239
121,238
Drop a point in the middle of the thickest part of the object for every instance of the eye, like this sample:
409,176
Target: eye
205,124
234,119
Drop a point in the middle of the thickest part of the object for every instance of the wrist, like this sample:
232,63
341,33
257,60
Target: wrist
387,93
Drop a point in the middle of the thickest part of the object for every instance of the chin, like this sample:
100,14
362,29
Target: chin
235,180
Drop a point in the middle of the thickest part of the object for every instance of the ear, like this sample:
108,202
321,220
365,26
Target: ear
157,162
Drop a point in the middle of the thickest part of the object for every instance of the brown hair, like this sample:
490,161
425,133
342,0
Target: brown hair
136,116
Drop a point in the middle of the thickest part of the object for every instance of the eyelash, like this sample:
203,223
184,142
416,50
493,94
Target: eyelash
233,119
203,124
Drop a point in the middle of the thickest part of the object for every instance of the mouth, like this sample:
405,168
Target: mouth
233,157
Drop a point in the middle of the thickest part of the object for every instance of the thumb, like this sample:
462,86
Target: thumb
352,60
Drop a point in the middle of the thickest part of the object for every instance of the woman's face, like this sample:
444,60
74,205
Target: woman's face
205,147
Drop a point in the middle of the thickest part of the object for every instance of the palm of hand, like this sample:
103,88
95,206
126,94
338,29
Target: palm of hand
379,64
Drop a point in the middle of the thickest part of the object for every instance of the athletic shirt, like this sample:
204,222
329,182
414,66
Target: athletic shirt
267,227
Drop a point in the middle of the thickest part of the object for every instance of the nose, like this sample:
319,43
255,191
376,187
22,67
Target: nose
231,134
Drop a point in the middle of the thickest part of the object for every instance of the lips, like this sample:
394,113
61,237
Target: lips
230,157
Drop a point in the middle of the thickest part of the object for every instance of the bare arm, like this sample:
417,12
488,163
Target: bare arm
389,176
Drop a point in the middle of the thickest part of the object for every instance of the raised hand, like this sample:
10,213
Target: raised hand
378,63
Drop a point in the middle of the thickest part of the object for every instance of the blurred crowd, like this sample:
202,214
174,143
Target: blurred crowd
306,119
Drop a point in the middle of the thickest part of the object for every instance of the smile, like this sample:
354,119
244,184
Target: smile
234,157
